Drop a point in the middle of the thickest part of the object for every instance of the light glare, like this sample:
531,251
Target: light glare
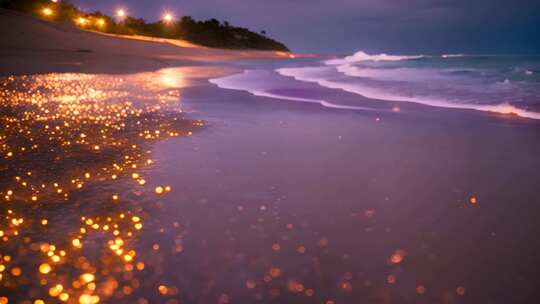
168,17
47,11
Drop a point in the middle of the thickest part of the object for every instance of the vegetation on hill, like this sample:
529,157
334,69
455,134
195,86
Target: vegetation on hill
211,33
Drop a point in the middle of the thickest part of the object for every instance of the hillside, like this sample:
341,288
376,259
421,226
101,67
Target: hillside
32,45
211,33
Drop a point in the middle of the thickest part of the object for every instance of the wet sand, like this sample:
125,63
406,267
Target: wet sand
159,187
434,207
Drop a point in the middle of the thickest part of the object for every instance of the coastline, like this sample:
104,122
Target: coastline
277,201
39,46
395,180
350,190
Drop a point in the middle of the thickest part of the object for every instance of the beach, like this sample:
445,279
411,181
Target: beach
353,190
259,199
38,46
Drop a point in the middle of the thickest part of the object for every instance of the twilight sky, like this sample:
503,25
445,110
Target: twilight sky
345,26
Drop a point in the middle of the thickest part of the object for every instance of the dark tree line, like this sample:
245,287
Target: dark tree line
211,33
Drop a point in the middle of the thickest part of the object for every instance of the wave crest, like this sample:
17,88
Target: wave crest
452,55
362,56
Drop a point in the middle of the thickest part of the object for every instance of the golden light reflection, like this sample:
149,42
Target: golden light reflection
68,144
77,222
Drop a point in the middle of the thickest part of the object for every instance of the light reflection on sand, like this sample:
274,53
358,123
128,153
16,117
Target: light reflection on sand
74,151
80,221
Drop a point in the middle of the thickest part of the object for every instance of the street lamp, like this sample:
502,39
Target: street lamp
168,17
120,13
47,12
82,21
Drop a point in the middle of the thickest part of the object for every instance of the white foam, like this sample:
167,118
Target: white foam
306,74
452,55
362,56
238,82
395,74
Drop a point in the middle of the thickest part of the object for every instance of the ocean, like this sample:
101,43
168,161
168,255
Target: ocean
505,84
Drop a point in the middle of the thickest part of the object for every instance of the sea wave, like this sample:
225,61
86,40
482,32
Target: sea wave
314,75
394,74
452,55
259,83
362,56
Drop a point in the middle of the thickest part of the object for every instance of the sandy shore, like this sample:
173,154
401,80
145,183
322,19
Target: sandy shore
281,202
352,191
30,46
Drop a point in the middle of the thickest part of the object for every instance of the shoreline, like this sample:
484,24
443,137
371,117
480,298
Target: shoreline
270,201
350,191
39,47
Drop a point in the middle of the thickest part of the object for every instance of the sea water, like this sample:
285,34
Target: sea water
507,84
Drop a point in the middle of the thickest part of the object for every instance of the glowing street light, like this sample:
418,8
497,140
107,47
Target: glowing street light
82,21
168,17
120,13
47,12
100,22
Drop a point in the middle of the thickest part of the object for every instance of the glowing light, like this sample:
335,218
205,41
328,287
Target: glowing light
76,243
47,12
100,22
163,289
87,277
45,268
397,257
159,190
168,17
68,116
88,299
64,297
82,21
56,290
120,13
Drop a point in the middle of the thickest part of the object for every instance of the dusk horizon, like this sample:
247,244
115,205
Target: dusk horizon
344,27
